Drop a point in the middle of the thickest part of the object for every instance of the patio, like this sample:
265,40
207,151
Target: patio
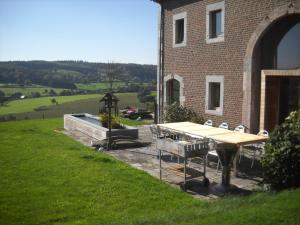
145,158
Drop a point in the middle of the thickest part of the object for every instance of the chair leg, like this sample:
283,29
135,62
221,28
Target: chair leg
218,165
253,159
240,156
206,159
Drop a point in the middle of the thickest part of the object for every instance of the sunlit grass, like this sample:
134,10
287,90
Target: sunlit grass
28,105
48,178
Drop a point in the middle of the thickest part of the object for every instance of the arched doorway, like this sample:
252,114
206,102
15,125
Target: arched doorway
173,91
273,46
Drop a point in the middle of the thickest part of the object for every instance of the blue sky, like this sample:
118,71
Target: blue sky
89,30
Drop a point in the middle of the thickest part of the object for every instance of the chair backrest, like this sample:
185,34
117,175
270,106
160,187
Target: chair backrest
154,130
240,128
224,126
208,123
263,133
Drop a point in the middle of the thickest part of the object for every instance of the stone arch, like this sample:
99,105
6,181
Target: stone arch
180,80
249,61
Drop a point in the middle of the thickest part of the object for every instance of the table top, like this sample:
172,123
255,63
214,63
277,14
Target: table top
217,134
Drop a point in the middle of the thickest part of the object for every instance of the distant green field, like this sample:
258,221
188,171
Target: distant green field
28,105
102,85
27,90
71,104
97,86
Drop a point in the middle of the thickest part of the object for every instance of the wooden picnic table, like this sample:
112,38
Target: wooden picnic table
220,135
217,134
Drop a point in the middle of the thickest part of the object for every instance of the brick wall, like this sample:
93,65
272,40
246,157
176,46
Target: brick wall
198,59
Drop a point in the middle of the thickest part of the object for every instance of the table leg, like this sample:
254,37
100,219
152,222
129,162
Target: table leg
236,159
226,153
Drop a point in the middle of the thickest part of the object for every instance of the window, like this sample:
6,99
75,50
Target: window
215,22
173,91
179,30
214,95
179,33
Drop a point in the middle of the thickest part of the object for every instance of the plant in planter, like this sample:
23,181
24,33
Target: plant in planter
281,161
114,121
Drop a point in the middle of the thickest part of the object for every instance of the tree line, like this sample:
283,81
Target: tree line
64,74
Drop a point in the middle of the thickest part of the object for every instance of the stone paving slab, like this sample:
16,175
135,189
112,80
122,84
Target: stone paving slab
145,158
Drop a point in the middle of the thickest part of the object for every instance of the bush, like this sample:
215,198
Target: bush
114,121
35,94
281,161
179,113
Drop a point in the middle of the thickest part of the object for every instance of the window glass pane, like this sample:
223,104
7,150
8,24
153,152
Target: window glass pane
179,32
216,23
214,95
173,91
288,51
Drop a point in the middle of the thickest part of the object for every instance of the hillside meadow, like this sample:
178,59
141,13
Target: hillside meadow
27,90
24,109
49,178
28,105
99,86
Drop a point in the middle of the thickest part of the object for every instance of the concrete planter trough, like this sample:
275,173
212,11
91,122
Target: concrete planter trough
90,126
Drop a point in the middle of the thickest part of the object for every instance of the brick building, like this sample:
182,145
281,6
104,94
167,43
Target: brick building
235,61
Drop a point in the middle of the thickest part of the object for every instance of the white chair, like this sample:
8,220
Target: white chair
214,152
256,148
224,126
156,134
208,123
240,128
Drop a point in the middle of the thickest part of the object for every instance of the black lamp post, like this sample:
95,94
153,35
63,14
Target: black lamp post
110,102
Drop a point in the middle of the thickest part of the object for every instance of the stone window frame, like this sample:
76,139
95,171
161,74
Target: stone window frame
214,79
178,16
210,8
180,80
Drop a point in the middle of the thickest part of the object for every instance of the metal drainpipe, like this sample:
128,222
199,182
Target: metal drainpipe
158,64
161,97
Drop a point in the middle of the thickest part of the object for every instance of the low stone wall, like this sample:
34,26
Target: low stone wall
73,123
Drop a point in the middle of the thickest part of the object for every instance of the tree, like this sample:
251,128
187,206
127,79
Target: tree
52,92
16,95
2,97
53,101
35,94
2,94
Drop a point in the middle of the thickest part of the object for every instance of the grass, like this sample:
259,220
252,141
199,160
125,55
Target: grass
28,105
130,122
26,90
90,104
48,178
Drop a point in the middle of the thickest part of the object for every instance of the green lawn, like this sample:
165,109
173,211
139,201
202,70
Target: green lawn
48,178
28,105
